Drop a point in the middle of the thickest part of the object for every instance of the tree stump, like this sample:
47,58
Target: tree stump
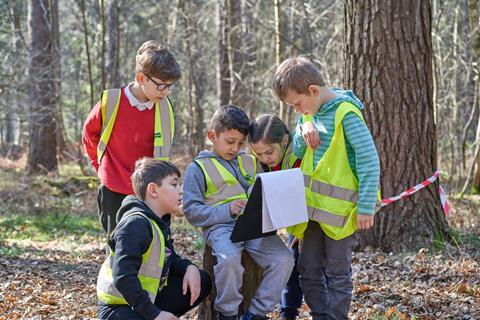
251,280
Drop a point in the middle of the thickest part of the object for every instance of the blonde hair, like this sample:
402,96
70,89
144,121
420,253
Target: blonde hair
157,61
297,73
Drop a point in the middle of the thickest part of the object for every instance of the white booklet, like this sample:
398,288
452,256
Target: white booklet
283,199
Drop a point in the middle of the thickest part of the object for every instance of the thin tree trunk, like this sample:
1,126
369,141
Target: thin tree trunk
223,70
236,56
474,16
14,107
87,50
388,63
101,7
279,47
113,45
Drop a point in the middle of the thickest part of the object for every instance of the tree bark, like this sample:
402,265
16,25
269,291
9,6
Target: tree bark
43,95
195,126
113,45
14,107
223,69
279,47
87,51
388,63
101,25
474,26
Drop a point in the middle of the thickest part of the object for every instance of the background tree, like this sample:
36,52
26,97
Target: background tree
388,63
43,87
113,42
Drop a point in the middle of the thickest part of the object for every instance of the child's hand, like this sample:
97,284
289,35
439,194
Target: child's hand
237,206
310,134
164,315
364,221
191,281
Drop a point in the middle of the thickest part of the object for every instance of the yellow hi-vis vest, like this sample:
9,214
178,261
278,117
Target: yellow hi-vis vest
149,274
332,188
249,167
222,186
289,158
164,124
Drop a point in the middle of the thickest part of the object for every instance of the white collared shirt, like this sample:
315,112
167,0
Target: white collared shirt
134,101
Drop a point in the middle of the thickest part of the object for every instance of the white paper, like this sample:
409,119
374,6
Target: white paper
283,196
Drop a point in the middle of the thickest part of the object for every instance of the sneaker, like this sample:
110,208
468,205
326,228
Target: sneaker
222,317
250,316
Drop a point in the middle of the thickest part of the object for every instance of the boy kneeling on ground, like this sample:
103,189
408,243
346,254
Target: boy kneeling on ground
143,277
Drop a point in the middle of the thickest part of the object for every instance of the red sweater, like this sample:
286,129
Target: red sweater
131,139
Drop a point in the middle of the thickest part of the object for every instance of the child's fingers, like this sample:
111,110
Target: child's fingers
185,285
194,295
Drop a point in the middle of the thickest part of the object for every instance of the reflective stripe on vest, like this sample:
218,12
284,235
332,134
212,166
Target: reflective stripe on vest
248,167
149,274
331,188
222,186
164,124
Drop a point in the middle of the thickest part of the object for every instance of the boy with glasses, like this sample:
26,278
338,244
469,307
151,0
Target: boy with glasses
130,123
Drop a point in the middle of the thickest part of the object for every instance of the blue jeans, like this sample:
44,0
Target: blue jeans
292,295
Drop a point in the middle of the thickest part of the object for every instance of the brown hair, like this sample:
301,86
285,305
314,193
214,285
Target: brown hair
156,61
151,170
297,74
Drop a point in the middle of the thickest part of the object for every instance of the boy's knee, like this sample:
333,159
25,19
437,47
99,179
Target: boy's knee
338,268
283,259
230,262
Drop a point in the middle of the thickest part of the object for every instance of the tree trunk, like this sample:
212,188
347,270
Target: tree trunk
101,25
236,54
474,26
113,45
223,70
279,47
388,63
43,95
195,89
252,276
56,58
87,50
14,108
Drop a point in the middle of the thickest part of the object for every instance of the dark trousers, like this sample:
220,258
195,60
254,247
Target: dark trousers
170,299
108,202
292,295
325,273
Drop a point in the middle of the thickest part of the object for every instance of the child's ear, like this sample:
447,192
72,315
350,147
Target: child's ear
152,190
314,90
211,135
140,77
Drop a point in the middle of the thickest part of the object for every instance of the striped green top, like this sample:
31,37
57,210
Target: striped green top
362,154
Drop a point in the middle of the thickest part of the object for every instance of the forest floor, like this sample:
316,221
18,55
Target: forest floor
51,248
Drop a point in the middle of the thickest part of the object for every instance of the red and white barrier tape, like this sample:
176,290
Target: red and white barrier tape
420,186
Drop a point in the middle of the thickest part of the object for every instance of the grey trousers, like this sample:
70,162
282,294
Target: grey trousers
325,271
270,253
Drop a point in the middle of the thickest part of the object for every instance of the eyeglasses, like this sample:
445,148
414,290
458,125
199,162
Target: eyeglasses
162,86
